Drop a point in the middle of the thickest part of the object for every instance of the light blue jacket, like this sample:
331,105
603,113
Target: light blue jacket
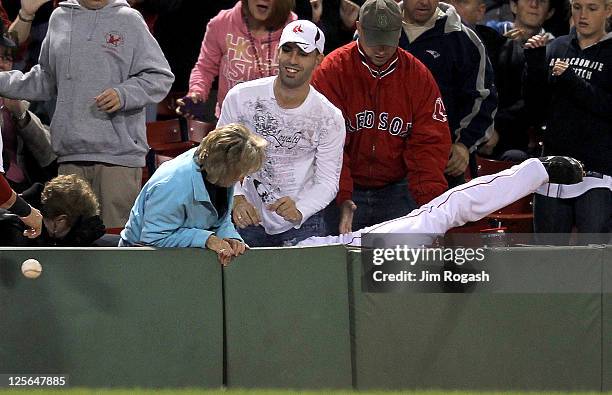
174,209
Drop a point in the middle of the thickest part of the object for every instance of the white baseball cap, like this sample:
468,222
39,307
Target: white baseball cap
305,35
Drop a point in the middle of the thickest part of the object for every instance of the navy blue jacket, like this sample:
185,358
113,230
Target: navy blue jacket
577,105
458,61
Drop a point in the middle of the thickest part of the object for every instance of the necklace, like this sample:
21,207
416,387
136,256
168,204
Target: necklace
257,59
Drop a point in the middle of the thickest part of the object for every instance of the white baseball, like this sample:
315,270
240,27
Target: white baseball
31,268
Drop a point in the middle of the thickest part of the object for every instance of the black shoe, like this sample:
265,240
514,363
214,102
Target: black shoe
562,169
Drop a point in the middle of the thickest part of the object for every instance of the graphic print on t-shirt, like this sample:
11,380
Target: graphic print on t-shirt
292,139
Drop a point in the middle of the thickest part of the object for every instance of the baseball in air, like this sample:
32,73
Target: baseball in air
31,268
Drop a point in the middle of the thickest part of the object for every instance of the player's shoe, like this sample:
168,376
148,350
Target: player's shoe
563,169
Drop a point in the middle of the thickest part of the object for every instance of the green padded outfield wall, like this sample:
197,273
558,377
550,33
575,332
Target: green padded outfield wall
607,320
483,341
297,318
287,319
121,317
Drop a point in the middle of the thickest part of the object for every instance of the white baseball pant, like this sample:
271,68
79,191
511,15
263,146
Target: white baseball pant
457,206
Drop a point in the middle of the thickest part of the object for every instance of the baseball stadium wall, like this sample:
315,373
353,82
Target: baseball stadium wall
298,318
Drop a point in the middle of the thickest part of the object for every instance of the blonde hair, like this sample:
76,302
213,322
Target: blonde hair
279,15
230,149
69,195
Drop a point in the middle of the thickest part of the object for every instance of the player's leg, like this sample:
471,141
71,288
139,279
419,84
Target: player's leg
471,201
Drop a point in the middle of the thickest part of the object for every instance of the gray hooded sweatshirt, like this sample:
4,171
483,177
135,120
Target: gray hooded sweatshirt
84,53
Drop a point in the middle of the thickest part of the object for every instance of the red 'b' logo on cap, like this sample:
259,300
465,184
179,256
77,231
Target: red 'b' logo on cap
298,29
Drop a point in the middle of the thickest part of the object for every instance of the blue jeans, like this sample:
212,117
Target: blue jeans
256,236
590,212
373,206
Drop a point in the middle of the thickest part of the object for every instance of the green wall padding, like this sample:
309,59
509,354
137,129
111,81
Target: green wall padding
114,318
480,341
607,320
287,319
297,318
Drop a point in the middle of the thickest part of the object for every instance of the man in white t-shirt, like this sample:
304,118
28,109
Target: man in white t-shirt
280,204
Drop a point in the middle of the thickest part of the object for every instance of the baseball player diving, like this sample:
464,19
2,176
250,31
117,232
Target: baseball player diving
471,201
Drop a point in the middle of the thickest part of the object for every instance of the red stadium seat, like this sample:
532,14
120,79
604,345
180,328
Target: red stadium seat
113,231
491,166
166,139
197,130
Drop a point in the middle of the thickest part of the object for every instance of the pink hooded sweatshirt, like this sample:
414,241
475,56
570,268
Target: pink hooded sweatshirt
228,53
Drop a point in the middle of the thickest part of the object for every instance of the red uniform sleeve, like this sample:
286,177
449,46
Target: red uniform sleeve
428,148
5,190
326,80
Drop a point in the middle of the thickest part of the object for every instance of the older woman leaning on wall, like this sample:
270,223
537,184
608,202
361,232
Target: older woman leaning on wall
188,200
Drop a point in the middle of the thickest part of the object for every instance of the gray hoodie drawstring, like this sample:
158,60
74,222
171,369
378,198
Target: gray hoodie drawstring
91,32
68,76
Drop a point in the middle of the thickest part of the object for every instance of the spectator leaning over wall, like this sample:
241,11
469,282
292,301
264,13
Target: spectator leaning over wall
70,215
188,200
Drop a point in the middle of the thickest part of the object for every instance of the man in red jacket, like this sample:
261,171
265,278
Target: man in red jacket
397,143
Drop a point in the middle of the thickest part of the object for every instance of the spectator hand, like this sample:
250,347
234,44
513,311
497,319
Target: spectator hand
34,224
347,208
539,40
317,10
108,101
559,67
29,7
16,107
349,12
459,158
238,246
487,148
285,207
244,213
224,250
185,105
515,34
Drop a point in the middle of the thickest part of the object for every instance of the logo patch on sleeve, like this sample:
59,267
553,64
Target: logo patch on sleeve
439,113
